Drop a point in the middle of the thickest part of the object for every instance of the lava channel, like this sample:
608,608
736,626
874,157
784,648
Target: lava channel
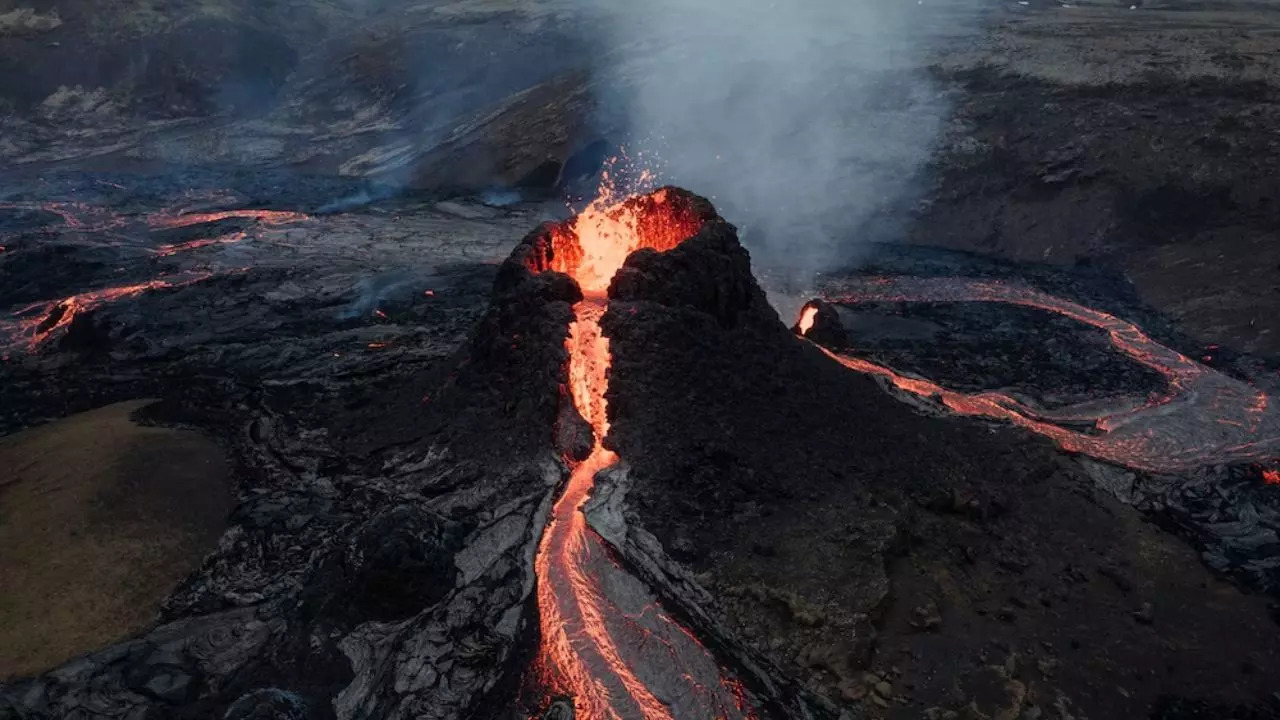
1204,418
35,323
605,640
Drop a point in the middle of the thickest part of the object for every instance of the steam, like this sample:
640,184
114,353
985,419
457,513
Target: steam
807,121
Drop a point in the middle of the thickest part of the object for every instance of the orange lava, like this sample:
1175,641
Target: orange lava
579,654
1142,437
38,322
807,315
598,241
1271,477
265,217
175,248
572,616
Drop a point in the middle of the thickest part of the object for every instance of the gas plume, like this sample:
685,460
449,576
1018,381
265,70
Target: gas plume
807,122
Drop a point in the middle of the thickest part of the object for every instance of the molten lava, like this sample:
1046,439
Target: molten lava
589,643
1271,477
37,322
1205,417
265,217
598,241
807,315
175,248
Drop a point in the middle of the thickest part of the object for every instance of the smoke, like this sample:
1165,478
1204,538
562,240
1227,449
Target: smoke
378,290
807,121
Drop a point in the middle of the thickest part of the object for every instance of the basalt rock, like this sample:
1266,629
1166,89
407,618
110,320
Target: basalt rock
710,273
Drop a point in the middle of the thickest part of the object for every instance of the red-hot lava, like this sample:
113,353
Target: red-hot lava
264,217
807,315
35,323
175,248
589,639
1204,418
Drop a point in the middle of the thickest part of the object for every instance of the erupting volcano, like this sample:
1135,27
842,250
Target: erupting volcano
602,641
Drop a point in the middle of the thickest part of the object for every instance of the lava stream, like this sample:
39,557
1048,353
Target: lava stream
37,322
167,221
1205,417
601,643
572,619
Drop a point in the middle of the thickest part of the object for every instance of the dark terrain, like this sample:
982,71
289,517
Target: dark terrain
387,393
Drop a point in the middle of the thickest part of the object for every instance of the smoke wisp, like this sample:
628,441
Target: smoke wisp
807,121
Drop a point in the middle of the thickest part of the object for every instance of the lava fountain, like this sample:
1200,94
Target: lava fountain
604,641
1204,417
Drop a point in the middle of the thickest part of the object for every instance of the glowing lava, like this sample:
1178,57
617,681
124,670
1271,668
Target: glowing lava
37,322
264,217
175,248
1205,417
807,315
1271,477
618,661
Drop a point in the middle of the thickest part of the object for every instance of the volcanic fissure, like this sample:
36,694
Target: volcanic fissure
581,654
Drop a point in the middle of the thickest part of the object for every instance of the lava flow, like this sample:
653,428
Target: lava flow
1205,417
265,217
37,322
605,641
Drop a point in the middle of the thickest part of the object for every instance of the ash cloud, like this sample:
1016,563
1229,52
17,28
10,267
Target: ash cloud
808,121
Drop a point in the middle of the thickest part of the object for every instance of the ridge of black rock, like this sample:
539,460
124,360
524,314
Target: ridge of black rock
709,272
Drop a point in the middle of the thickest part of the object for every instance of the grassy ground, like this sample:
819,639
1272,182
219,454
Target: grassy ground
99,519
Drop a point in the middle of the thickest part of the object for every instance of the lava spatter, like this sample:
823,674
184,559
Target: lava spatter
1204,417
615,659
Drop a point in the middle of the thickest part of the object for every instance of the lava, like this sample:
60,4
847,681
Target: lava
175,248
37,322
167,221
807,315
598,240
1271,477
1204,417
588,640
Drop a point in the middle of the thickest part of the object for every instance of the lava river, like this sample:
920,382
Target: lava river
606,643
1204,417
83,225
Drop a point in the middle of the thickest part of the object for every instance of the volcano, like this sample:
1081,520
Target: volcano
629,490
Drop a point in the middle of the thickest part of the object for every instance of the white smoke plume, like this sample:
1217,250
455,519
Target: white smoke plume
804,120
